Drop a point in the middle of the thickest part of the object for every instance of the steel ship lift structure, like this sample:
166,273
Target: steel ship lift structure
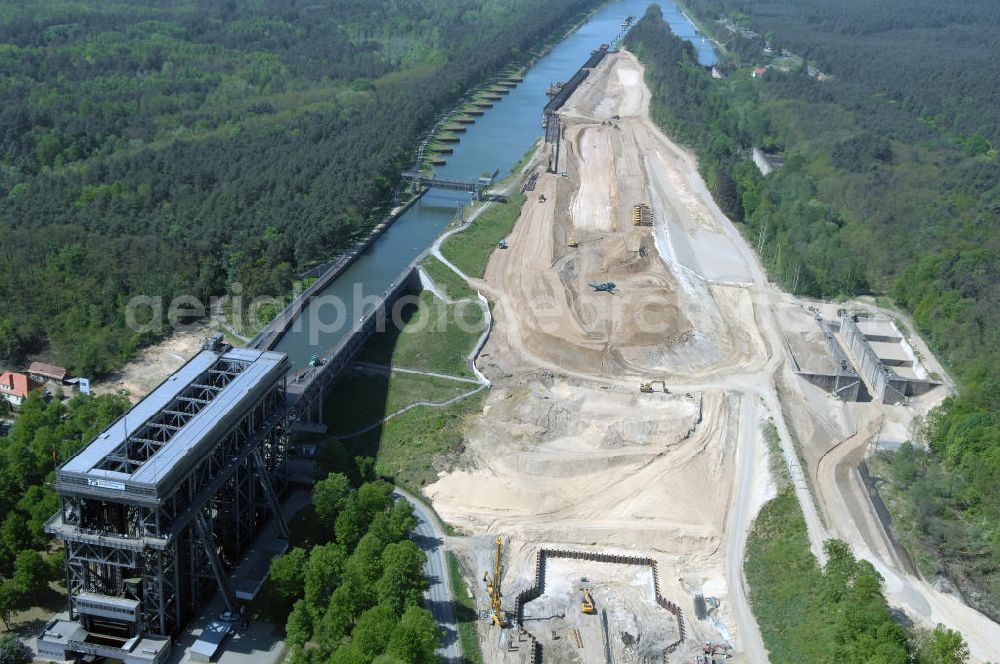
157,510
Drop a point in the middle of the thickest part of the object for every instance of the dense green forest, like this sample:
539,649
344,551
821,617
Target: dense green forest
45,433
877,195
353,593
162,148
935,61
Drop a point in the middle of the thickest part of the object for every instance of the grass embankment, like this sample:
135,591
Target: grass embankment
412,447
465,611
470,250
453,286
435,337
373,396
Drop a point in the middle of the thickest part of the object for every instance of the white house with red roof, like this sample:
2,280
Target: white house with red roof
14,387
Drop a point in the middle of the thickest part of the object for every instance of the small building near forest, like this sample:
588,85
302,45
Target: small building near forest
40,372
14,387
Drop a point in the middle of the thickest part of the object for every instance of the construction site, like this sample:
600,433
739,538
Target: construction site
637,355
640,363
595,438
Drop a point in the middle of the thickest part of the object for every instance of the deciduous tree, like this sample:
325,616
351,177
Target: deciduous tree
402,582
416,638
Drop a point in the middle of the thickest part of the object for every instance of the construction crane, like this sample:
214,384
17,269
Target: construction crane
497,614
587,605
647,388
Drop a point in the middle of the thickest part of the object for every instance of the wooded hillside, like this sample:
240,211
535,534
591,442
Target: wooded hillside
934,60
160,148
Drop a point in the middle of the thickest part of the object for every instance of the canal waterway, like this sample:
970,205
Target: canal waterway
497,141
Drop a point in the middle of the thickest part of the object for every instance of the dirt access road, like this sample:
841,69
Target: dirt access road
567,452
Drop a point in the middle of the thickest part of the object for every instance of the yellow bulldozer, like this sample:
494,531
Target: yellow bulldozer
647,388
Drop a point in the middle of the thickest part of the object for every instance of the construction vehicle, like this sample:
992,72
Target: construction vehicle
605,287
497,614
642,215
502,244
587,605
710,650
647,388
572,243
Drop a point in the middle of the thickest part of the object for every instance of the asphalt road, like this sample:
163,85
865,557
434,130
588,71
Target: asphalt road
429,536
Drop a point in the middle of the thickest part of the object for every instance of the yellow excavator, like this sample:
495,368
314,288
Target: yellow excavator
647,388
572,242
497,614
587,605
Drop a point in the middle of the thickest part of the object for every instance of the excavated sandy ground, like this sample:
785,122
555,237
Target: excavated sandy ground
567,451
639,629
664,321
554,461
154,363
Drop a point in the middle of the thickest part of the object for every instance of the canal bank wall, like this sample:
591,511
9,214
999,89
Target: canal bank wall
268,337
307,385
570,86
